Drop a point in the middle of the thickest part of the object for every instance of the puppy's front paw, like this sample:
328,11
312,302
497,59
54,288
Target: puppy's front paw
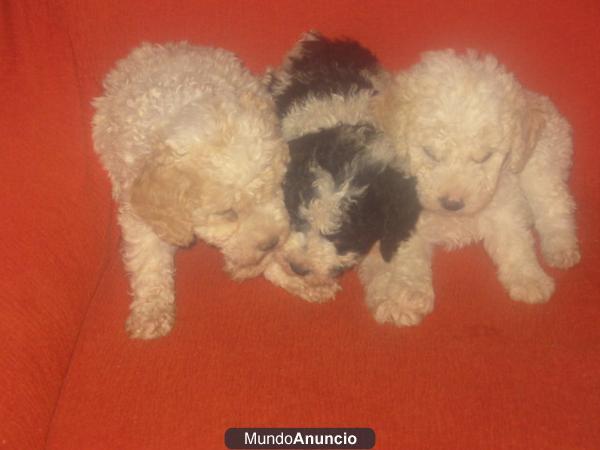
534,287
319,294
400,305
401,313
561,257
239,273
150,321
298,286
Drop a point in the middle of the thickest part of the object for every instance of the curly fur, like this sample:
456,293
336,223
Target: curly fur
189,139
491,160
342,190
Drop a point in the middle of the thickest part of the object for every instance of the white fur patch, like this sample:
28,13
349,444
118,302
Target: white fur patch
326,211
315,113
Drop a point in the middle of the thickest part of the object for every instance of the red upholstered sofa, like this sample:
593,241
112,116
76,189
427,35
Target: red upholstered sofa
481,372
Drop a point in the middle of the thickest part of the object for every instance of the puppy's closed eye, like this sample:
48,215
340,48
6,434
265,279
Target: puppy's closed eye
229,215
484,158
430,153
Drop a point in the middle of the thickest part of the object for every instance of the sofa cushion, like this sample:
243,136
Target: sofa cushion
480,372
55,227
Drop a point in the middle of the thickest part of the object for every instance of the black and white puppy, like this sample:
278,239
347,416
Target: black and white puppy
343,190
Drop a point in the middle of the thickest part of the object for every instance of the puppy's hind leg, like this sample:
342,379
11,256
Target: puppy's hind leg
553,211
150,264
509,241
543,181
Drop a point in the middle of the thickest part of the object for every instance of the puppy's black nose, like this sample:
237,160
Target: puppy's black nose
269,245
298,269
452,204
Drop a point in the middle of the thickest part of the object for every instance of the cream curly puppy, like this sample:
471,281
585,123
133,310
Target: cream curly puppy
189,138
491,160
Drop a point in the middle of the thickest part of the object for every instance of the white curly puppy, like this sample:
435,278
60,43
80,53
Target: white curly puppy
491,159
342,189
189,138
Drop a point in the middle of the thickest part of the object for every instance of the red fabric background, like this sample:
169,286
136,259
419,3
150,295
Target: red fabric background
480,372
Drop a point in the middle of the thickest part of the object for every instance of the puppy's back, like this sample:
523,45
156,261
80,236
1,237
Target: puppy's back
159,91
321,67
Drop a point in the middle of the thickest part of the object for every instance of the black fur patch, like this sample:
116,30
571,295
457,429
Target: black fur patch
387,211
332,149
325,67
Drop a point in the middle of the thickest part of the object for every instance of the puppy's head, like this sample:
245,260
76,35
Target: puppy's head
221,185
460,121
341,198
247,232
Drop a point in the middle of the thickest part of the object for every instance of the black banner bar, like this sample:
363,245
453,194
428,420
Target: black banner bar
300,438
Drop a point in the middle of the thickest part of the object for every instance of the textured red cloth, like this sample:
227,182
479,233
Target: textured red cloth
480,372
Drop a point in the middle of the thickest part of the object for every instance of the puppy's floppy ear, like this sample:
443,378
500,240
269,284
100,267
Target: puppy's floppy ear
165,196
391,106
527,132
400,208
